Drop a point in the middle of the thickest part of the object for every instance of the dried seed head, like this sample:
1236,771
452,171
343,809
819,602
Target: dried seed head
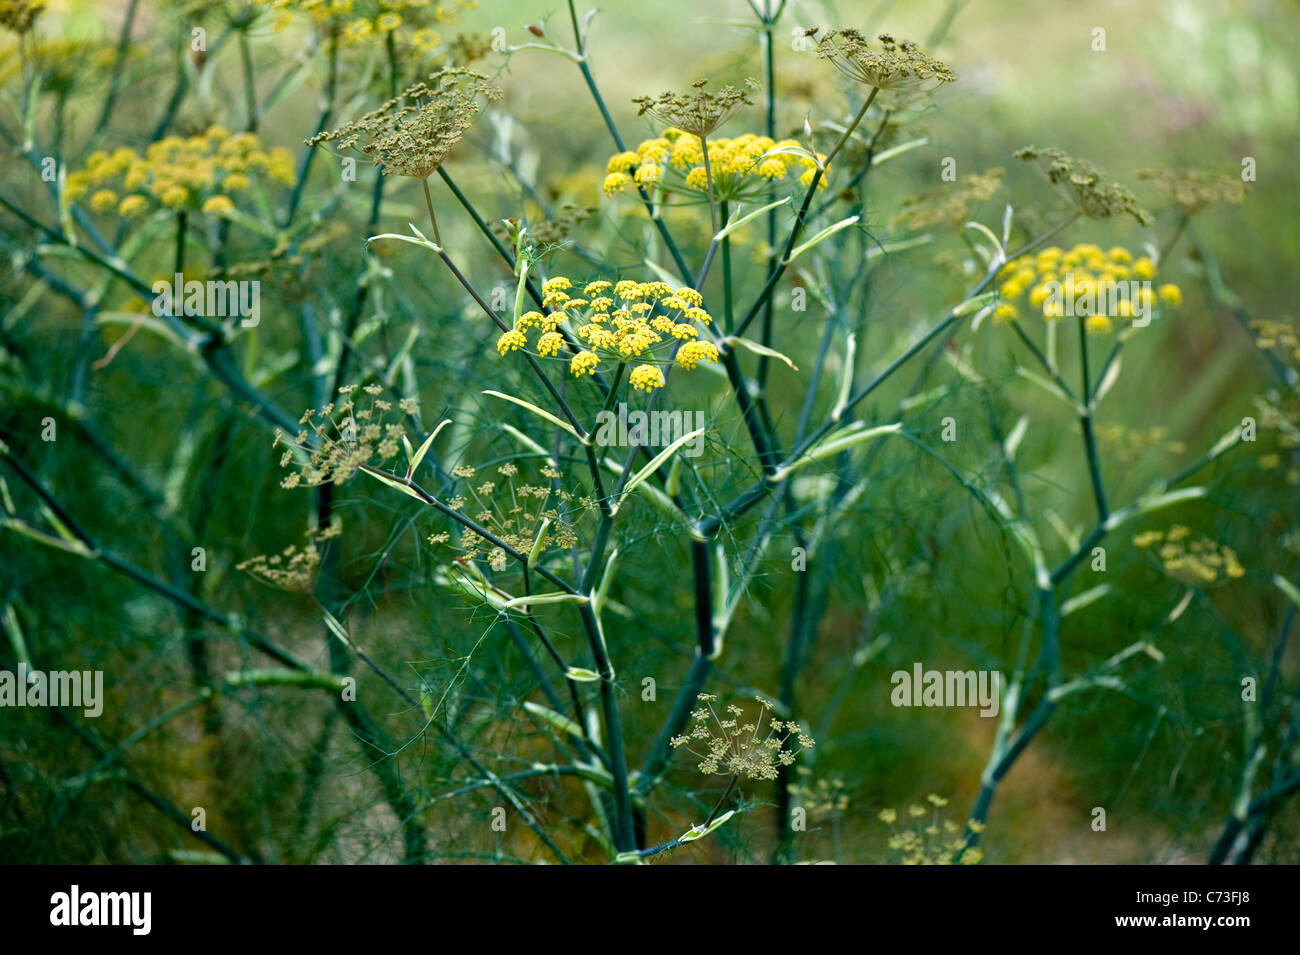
1086,185
1191,190
698,111
895,66
412,134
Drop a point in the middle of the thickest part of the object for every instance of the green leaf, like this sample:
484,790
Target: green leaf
564,425
735,223
581,675
657,460
554,719
424,448
1084,599
834,443
393,482
557,597
821,236
756,348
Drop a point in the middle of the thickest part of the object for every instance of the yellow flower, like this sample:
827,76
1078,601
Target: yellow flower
173,197
511,341
1005,313
1144,269
218,206
583,362
888,815
622,162
426,39
646,378
649,173
358,30
549,344
388,22
103,200
694,352
1098,324
1170,294
132,206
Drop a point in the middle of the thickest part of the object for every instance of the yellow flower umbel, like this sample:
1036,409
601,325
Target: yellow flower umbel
1103,288
1192,561
649,323
744,168
206,173
412,23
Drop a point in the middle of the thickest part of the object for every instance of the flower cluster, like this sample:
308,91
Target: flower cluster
620,322
295,567
893,66
1085,185
1192,561
949,204
517,514
1191,190
412,134
1085,281
742,168
731,745
205,172
929,841
339,438
410,21
1271,333
1127,445
698,112
823,799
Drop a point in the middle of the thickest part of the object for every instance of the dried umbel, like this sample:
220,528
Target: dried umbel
20,15
730,744
893,66
530,517
919,836
1086,185
1191,190
412,134
698,111
295,567
949,204
342,437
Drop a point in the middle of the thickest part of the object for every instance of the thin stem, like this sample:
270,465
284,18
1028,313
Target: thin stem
433,220
721,799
